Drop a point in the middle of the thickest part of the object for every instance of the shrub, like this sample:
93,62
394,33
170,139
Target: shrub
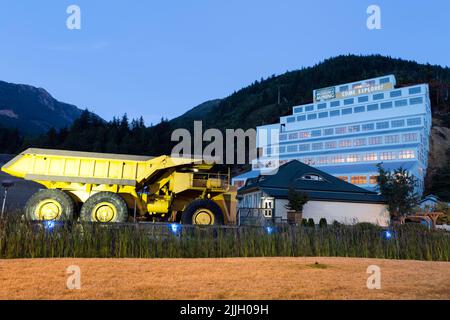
336,224
311,223
304,222
296,200
323,223
367,226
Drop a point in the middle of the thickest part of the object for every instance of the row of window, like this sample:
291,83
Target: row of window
345,143
350,129
358,109
345,158
356,85
362,99
361,180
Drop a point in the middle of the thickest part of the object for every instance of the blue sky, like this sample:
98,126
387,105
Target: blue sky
160,58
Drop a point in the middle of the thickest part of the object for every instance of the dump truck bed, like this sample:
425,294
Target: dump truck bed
88,167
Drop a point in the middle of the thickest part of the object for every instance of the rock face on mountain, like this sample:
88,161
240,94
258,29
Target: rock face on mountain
439,147
33,110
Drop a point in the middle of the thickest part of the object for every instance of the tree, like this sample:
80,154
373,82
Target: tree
397,188
296,200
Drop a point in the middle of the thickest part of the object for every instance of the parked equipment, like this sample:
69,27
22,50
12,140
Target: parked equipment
100,187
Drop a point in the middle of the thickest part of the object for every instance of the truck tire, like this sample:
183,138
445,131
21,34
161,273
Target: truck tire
105,207
50,204
202,212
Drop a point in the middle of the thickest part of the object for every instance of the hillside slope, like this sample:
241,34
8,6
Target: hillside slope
33,110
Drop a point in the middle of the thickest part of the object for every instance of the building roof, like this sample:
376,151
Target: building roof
294,174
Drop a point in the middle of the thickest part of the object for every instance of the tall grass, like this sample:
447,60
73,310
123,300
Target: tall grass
21,239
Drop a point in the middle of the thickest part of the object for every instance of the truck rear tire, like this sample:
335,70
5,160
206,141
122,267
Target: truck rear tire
202,212
50,204
105,207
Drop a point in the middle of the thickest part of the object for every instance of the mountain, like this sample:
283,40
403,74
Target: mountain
33,110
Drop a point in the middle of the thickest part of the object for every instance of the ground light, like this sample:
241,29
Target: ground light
49,225
270,230
387,234
175,228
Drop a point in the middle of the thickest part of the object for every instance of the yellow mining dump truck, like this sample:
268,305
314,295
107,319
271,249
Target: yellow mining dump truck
101,187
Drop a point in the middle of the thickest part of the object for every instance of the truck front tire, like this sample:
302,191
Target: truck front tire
202,212
105,207
50,204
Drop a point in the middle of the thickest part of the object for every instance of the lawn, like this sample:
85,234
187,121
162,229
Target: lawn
224,278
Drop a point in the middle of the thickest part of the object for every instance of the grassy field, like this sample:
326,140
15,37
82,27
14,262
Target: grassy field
225,278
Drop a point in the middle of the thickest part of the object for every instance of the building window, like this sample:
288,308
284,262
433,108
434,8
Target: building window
301,118
360,109
378,96
396,93
414,122
283,137
317,146
415,90
373,179
337,159
349,101
341,130
309,108
323,115
291,119
282,149
359,142
353,158
371,156
363,99
321,106
328,132
382,125
386,105
293,136
417,100
292,148
312,116
372,107
335,104
343,178
316,133
335,113
355,128
389,155
397,123
375,140
358,179
384,80
298,110
331,145
401,103
368,127
343,88
303,147
392,139
304,134
409,137
406,154
345,143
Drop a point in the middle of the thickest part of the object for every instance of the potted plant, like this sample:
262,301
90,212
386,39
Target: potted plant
296,201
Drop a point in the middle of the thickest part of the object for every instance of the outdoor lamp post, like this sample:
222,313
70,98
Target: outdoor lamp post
5,184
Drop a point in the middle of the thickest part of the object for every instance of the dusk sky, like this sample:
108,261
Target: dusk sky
160,58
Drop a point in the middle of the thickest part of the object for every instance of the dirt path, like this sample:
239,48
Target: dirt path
233,278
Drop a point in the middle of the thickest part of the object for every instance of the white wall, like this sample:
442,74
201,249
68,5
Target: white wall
343,212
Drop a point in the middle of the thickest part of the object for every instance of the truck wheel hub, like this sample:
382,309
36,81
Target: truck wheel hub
203,217
48,209
104,212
